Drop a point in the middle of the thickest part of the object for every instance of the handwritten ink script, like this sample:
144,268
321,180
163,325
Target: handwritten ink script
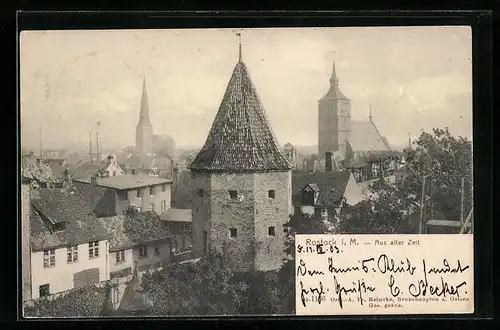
384,274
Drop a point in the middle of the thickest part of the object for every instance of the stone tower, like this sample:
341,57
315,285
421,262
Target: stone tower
241,183
334,119
144,129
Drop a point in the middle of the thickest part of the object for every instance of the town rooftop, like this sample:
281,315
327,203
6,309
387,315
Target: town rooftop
127,181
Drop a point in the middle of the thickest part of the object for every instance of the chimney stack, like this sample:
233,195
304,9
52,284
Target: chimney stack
68,180
328,162
93,180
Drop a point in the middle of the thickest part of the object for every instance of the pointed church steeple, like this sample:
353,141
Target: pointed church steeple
144,114
144,129
334,81
334,92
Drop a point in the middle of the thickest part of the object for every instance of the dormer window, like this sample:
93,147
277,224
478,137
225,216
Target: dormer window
60,226
310,194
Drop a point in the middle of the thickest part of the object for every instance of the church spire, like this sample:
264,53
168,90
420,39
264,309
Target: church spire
334,81
144,115
334,92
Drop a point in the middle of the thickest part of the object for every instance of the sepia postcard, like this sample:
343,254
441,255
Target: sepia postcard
228,172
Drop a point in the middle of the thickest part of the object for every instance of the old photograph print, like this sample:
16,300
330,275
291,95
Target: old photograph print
167,172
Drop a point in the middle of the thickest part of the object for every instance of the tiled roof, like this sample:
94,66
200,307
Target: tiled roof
178,215
130,230
39,172
85,169
332,186
58,205
101,199
365,137
57,167
128,181
241,139
334,93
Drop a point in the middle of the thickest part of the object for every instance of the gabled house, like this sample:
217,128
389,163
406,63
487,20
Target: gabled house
179,222
114,195
322,193
68,246
107,168
136,237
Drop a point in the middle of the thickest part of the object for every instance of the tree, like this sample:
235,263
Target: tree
87,301
207,287
299,223
440,157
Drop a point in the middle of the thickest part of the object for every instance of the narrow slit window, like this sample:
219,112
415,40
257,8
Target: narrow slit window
233,194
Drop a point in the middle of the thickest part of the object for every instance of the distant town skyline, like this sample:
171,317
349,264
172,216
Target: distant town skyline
413,78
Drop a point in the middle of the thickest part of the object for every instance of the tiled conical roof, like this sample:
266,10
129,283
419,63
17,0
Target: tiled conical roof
240,139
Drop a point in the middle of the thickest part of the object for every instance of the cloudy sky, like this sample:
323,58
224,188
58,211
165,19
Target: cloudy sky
414,78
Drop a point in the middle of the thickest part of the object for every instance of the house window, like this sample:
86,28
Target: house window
143,251
157,251
44,290
120,256
164,188
151,206
233,233
93,250
233,194
114,173
163,205
152,190
271,231
49,258
72,254
200,192
139,193
271,194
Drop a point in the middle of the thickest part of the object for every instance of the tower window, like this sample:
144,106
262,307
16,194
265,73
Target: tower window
233,233
271,194
271,231
233,194
200,192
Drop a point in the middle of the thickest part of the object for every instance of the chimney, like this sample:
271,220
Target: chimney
328,162
68,180
25,241
93,180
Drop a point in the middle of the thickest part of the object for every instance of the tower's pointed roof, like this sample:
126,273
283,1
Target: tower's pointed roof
241,139
144,114
334,92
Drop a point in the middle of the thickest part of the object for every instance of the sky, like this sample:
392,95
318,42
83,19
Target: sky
413,78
